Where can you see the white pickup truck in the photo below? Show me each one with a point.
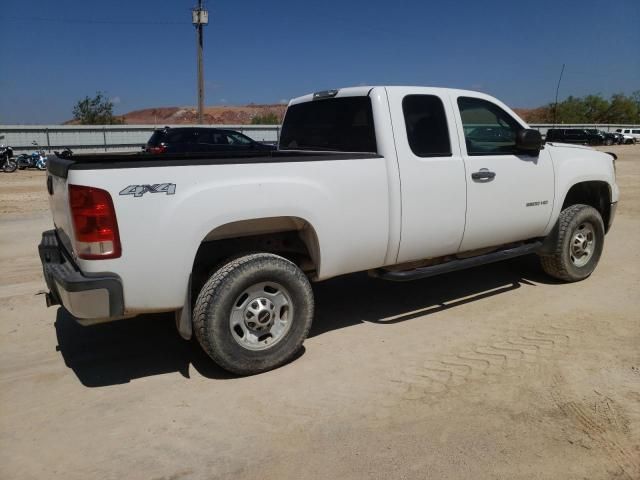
(403, 182)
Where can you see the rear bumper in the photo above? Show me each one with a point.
(89, 297)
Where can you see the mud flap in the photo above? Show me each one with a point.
(184, 323)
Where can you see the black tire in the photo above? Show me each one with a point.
(213, 308)
(9, 166)
(562, 264)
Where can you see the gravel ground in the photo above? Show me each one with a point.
(495, 372)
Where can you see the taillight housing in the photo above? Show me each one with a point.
(158, 148)
(94, 223)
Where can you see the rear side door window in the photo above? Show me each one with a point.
(178, 136)
(204, 137)
(575, 135)
(238, 139)
(488, 129)
(426, 124)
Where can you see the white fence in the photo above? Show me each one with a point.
(543, 127)
(123, 138)
(107, 138)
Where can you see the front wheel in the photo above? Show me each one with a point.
(579, 242)
(9, 166)
(254, 313)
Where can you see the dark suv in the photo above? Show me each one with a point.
(201, 139)
(575, 135)
(608, 137)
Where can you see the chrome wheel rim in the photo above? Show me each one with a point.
(583, 244)
(261, 316)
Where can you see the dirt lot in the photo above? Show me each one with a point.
(496, 372)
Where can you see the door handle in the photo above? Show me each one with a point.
(483, 174)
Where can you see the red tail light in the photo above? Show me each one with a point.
(94, 223)
(158, 149)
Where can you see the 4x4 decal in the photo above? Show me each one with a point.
(139, 190)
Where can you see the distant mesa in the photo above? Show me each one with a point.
(219, 115)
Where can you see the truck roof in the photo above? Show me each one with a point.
(364, 90)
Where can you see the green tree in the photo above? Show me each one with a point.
(595, 109)
(269, 118)
(95, 111)
(591, 109)
(622, 109)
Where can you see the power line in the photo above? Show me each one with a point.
(88, 21)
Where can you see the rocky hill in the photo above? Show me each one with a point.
(225, 115)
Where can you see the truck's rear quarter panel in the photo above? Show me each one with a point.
(345, 202)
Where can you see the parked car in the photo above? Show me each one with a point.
(580, 136)
(201, 139)
(608, 137)
(631, 135)
(618, 138)
(389, 180)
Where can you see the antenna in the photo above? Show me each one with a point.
(555, 105)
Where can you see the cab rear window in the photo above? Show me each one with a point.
(336, 124)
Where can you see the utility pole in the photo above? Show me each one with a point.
(200, 18)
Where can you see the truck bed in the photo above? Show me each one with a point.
(60, 166)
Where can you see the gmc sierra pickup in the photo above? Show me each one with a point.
(403, 182)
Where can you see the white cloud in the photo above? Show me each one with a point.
(283, 101)
(116, 100)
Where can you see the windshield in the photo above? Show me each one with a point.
(335, 124)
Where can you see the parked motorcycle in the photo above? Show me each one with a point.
(66, 153)
(36, 159)
(6, 159)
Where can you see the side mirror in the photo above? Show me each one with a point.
(529, 140)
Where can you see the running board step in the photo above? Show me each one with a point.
(459, 264)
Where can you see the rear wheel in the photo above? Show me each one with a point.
(579, 242)
(254, 313)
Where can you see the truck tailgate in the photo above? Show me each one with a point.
(60, 211)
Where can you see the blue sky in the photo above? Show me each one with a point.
(266, 52)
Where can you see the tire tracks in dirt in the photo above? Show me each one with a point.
(432, 378)
(603, 422)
